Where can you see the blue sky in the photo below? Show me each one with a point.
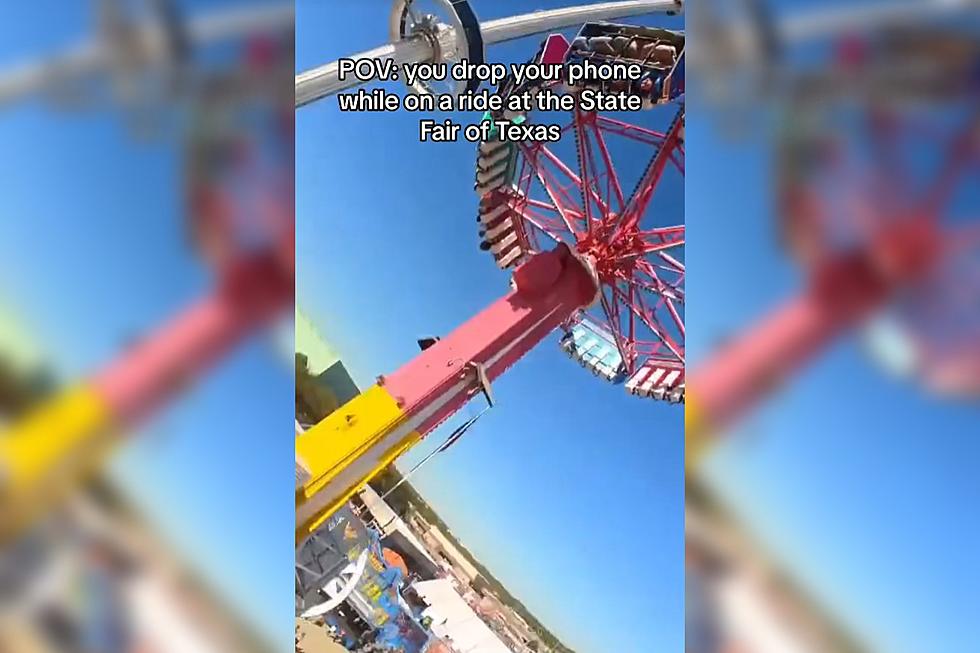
(92, 253)
(571, 491)
(862, 484)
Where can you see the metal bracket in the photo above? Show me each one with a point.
(461, 18)
(480, 372)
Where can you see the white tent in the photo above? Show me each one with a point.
(455, 621)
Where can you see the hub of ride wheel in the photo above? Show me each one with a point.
(611, 255)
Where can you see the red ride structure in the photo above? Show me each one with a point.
(532, 195)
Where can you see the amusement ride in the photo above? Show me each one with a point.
(593, 249)
(551, 219)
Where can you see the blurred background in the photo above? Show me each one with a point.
(832, 209)
(834, 286)
(145, 325)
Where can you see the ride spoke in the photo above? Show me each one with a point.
(553, 191)
(612, 179)
(677, 265)
(635, 132)
(660, 286)
(545, 206)
(568, 172)
(632, 317)
(550, 228)
(676, 160)
(611, 311)
(604, 200)
(636, 205)
(649, 318)
(585, 179)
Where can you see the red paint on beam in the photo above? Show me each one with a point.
(550, 287)
(251, 294)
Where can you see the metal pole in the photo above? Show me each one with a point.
(466, 425)
(317, 83)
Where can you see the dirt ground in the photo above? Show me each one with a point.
(311, 638)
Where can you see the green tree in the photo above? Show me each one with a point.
(20, 391)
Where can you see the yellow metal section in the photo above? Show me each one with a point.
(696, 433)
(332, 446)
(389, 457)
(329, 447)
(48, 450)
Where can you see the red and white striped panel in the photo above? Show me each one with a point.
(657, 379)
